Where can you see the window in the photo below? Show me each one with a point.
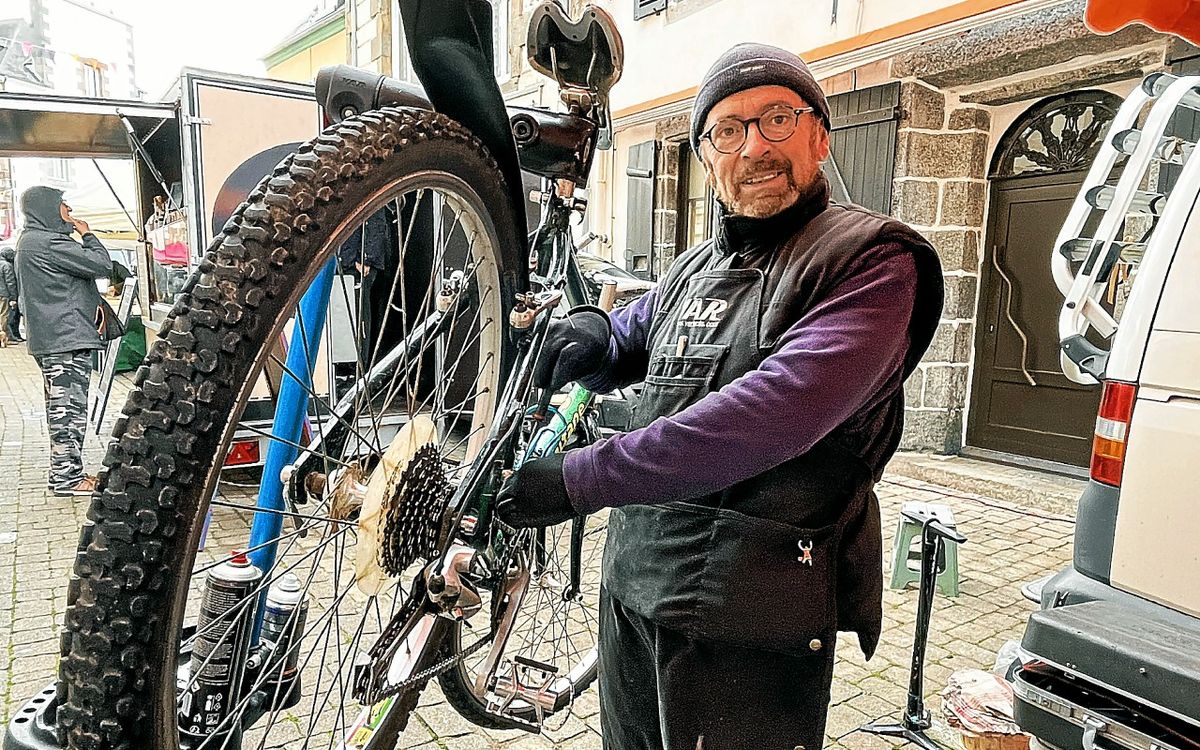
(696, 202)
(401, 63)
(500, 11)
(91, 80)
(643, 8)
(1057, 135)
(58, 170)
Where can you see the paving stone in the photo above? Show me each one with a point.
(468, 742)
(445, 722)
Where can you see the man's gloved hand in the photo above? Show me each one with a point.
(575, 347)
(536, 495)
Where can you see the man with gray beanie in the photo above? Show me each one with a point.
(745, 533)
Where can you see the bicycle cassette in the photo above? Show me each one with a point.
(385, 497)
(413, 513)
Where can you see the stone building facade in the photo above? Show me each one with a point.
(946, 137)
(958, 96)
(930, 98)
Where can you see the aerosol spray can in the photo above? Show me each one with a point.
(219, 655)
(282, 630)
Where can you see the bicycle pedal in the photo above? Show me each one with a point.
(525, 661)
(521, 683)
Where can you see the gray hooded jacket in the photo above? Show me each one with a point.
(57, 277)
(8, 273)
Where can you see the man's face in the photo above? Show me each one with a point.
(763, 177)
(64, 211)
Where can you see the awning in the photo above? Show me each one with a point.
(61, 126)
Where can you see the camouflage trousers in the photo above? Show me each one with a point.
(4, 308)
(65, 381)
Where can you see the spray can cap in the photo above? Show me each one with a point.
(239, 558)
(288, 582)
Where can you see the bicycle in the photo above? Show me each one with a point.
(169, 641)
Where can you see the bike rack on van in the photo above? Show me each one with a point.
(1147, 149)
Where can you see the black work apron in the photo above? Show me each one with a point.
(740, 566)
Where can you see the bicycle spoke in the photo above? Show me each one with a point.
(284, 513)
(251, 596)
(363, 333)
(221, 561)
(242, 704)
(405, 237)
(395, 390)
(292, 443)
(282, 660)
(316, 398)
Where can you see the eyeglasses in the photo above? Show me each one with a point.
(728, 134)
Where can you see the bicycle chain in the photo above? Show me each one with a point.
(391, 632)
(410, 517)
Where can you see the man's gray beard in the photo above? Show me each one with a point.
(768, 205)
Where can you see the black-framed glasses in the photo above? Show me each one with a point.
(728, 134)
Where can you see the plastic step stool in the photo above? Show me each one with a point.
(906, 550)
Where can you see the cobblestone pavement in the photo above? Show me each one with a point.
(1008, 546)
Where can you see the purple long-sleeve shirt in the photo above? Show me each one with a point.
(835, 361)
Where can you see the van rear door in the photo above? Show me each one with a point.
(1155, 550)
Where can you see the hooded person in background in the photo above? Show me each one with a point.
(57, 284)
(8, 296)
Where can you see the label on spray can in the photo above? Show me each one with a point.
(220, 649)
(283, 627)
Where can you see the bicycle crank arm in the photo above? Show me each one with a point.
(514, 595)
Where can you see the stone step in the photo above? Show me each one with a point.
(1021, 486)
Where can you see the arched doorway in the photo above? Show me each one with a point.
(1020, 401)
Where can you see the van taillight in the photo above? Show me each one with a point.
(1112, 432)
(243, 452)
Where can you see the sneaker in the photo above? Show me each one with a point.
(84, 488)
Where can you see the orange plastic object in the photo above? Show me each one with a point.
(1179, 17)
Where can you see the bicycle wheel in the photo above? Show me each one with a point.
(157, 530)
(549, 655)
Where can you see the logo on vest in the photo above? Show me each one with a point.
(702, 312)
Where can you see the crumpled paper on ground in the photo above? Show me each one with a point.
(979, 702)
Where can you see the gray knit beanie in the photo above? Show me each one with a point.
(748, 65)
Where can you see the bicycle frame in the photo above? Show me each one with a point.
(554, 249)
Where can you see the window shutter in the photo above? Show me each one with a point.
(639, 233)
(643, 8)
(862, 143)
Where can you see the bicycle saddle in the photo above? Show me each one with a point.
(586, 54)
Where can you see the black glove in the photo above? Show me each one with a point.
(575, 347)
(536, 495)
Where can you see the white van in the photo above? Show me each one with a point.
(1115, 649)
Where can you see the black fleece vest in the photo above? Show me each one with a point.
(787, 558)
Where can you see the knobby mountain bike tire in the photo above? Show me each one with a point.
(134, 585)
